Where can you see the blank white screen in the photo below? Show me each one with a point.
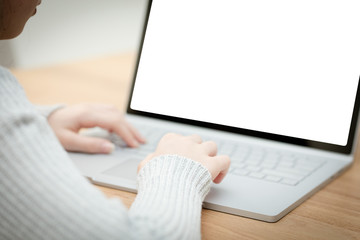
(281, 66)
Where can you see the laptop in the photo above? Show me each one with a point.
(274, 83)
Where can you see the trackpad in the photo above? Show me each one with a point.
(127, 169)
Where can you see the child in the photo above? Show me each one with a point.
(43, 196)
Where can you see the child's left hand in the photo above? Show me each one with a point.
(68, 121)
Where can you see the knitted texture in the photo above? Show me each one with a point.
(46, 111)
(43, 195)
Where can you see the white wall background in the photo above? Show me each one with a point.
(69, 30)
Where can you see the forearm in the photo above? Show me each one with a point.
(45, 197)
(42, 194)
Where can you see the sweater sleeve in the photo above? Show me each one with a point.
(43, 196)
(47, 110)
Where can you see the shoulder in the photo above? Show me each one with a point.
(4, 72)
(12, 95)
(7, 79)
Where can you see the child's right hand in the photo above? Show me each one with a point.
(194, 148)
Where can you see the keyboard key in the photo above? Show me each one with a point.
(288, 158)
(268, 165)
(238, 165)
(282, 174)
(238, 158)
(272, 156)
(289, 181)
(253, 168)
(307, 169)
(255, 157)
(272, 178)
(240, 172)
(314, 162)
(240, 151)
(308, 166)
(226, 149)
(286, 164)
(292, 170)
(257, 175)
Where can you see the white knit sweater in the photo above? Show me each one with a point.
(43, 196)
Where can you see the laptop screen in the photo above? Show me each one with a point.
(281, 69)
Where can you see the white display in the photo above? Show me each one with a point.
(281, 66)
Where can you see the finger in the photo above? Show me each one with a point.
(111, 120)
(210, 148)
(135, 133)
(223, 164)
(196, 138)
(220, 177)
(77, 143)
(124, 132)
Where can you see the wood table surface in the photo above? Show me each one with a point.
(332, 213)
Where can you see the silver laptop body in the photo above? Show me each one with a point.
(275, 166)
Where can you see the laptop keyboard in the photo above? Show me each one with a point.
(248, 161)
(271, 165)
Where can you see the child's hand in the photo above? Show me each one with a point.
(194, 148)
(67, 122)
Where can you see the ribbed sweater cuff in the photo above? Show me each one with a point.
(171, 189)
(175, 172)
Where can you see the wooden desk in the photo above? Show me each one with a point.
(332, 213)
